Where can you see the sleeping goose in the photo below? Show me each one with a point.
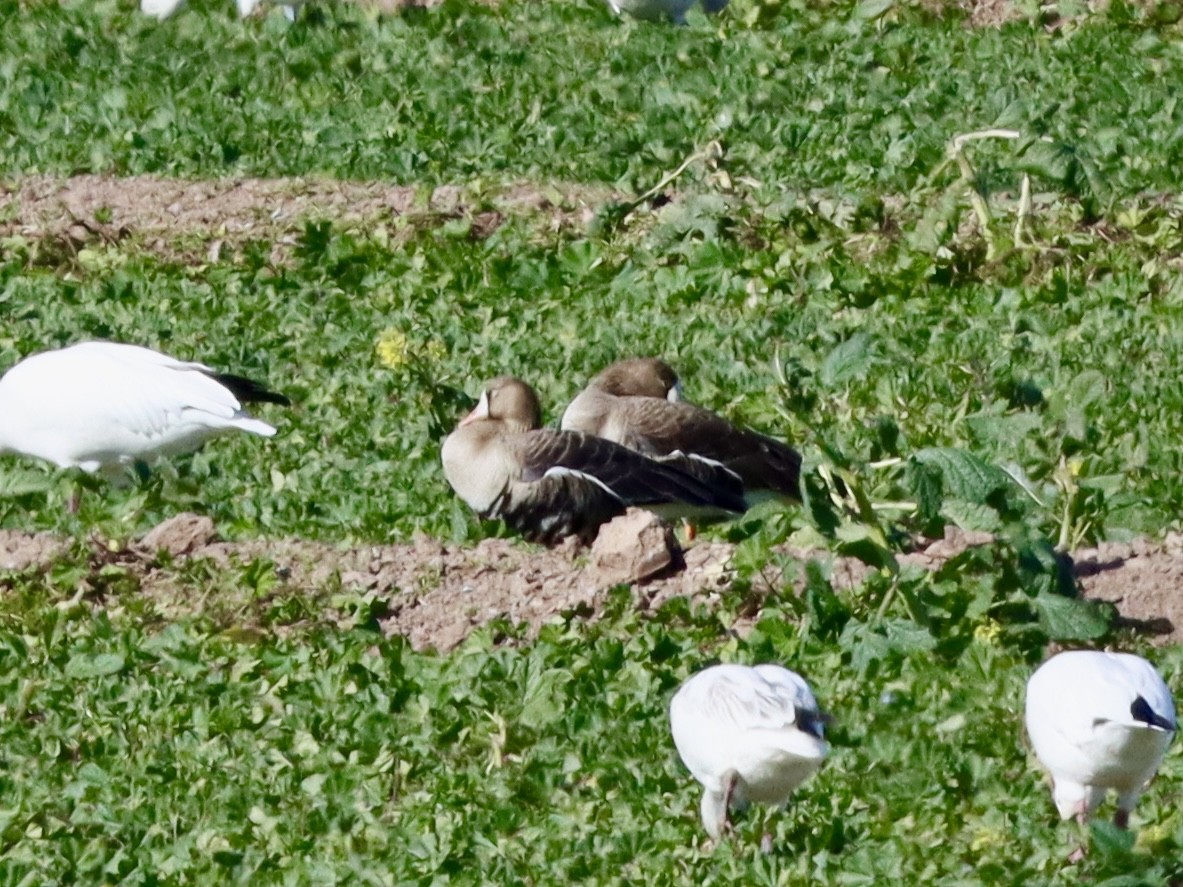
(548, 484)
(1099, 721)
(103, 405)
(638, 403)
(746, 734)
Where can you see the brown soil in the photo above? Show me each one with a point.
(436, 594)
(170, 216)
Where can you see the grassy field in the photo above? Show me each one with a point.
(813, 267)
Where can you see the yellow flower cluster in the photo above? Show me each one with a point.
(394, 349)
(988, 631)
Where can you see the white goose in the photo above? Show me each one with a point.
(1099, 721)
(746, 734)
(103, 405)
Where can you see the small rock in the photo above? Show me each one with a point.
(21, 551)
(426, 546)
(180, 535)
(1143, 547)
(956, 541)
(358, 579)
(1107, 552)
(632, 548)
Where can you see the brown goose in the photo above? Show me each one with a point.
(637, 403)
(548, 484)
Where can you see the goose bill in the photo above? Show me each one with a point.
(480, 411)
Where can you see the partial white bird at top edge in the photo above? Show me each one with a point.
(663, 10)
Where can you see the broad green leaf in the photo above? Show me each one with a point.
(963, 475)
(94, 665)
(1070, 619)
(872, 9)
(849, 360)
(971, 515)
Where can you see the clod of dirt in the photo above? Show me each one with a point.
(1142, 579)
(632, 548)
(180, 535)
(25, 551)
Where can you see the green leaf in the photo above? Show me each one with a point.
(23, 481)
(971, 515)
(1086, 388)
(963, 475)
(1070, 619)
(849, 360)
(312, 785)
(94, 665)
(868, 10)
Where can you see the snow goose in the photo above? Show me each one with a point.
(104, 405)
(1099, 721)
(638, 403)
(746, 734)
(548, 484)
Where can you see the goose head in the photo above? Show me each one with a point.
(640, 377)
(508, 401)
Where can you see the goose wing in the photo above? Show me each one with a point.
(654, 426)
(629, 476)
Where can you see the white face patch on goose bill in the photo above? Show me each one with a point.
(674, 394)
(480, 411)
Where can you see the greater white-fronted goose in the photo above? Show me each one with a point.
(548, 484)
(638, 403)
(1099, 721)
(103, 405)
(747, 735)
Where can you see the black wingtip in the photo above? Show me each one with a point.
(1141, 711)
(250, 391)
(812, 722)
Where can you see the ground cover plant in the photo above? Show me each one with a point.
(768, 201)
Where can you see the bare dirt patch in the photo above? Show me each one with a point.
(170, 216)
(436, 594)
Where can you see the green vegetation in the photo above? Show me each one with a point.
(818, 274)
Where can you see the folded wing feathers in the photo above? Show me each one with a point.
(632, 478)
(760, 704)
(561, 503)
(248, 390)
(658, 427)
